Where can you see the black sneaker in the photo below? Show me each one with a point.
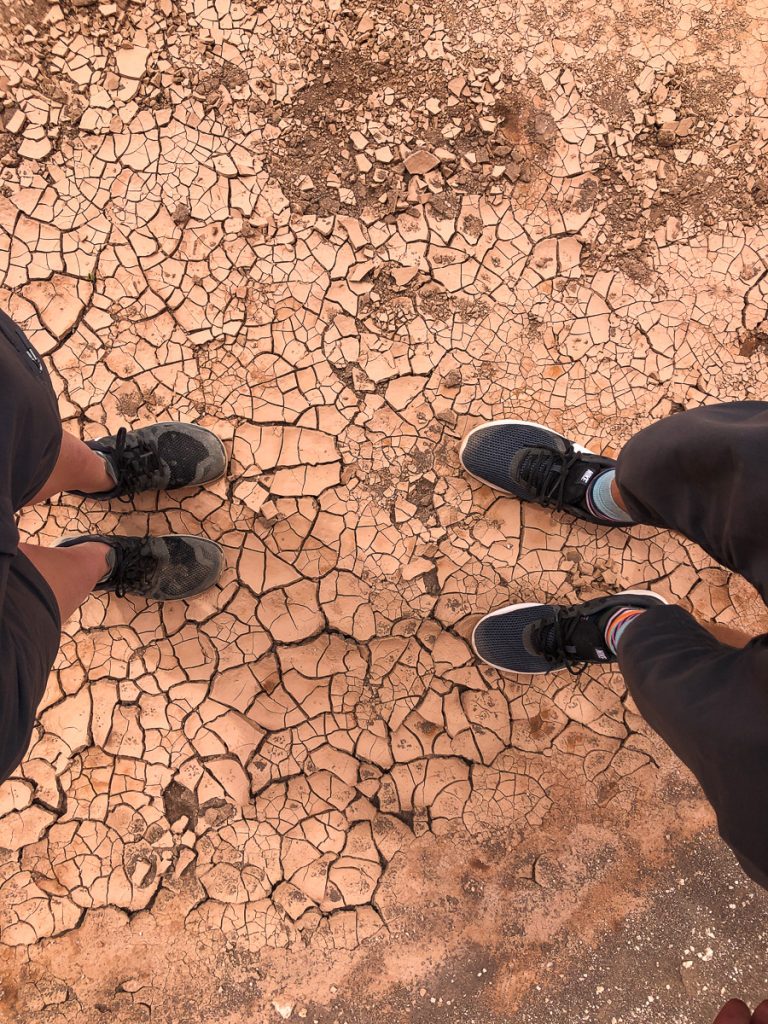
(168, 568)
(160, 457)
(534, 463)
(536, 638)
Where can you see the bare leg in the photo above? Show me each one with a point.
(78, 469)
(71, 573)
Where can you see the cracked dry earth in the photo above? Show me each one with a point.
(341, 235)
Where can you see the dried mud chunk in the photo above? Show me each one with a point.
(291, 613)
(270, 745)
(344, 600)
(504, 796)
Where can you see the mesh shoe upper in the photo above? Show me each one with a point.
(489, 452)
(160, 457)
(184, 567)
(501, 639)
(535, 464)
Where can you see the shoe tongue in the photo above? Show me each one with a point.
(584, 638)
(580, 476)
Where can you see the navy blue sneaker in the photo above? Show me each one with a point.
(537, 638)
(534, 463)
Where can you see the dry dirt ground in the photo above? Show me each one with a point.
(341, 235)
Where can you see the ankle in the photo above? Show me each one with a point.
(601, 499)
(95, 560)
(95, 477)
(99, 476)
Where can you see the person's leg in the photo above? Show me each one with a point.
(709, 702)
(71, 573)
(78, 468)
(169, 568)
(707, 699)
(704, 474)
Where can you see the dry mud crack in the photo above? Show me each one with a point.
(341, 235)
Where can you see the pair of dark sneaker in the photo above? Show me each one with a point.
(161, 457)
(535, 463)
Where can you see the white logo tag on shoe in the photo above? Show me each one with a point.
(587, 476)
(601, 654)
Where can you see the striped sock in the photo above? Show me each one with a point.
(618, 622)
(600, 500)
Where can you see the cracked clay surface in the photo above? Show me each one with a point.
(340, 236)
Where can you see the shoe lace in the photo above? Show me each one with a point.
(134, 464)
(134, 565)
(551, 639)
(545, 472)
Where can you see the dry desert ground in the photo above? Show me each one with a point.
(341, 234)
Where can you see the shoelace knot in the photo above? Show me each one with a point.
(545, 472)
(551, 639)
(134, 465)
(133, 566)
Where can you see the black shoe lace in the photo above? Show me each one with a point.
(545, 473)
(134, 566)
(135, 466)
(551, 639)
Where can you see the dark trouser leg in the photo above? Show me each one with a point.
(29, 638)
(709, 702)
(705, 475)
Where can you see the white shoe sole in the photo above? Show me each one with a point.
(514, 423)
(538, 604)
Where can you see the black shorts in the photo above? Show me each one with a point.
(704, 474)
(30, 625)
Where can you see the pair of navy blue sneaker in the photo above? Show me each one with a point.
(534, 463)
